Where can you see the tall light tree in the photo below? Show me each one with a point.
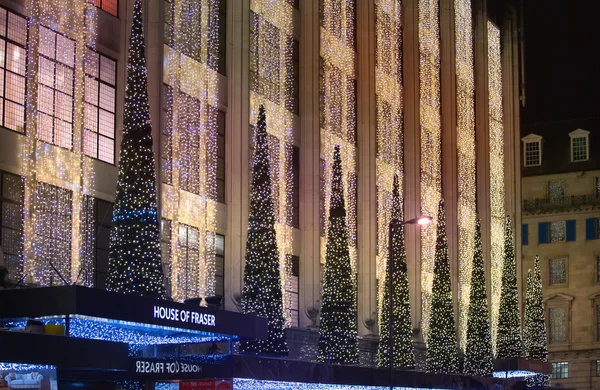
(442, 349)
(478, 354)
(401, 332)
(508, 339)
(134, 261)
(338, 330)
(261, 294)
(534, 333)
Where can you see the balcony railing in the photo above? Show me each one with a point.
(568, 203)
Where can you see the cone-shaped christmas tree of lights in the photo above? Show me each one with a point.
(534, 334)
(135, 266)
(262, 293)
(403, 353)
(338, 330)
(508, 340)
(478, 354)
(442, 351)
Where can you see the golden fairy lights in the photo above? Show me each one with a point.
(465, 133)
(271, 85)
(496, 140)
(58, 177)
(388, 87)
(189, 199)
(431, 176)
(338, 107)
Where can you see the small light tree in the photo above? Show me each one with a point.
(442, 349)
(534, 334)
(478, 354)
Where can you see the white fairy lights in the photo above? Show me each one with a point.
(189, 200)
(465, 133)
(58, 179)
(271, 85)
(388, 87)
(496, 144)
(338, 108)
(431, 175)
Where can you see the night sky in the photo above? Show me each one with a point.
(562, 69)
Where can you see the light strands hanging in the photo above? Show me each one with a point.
(431, 175)
(465, 133)
(272, 86)
(389, 90)
(189, 200)
(496, 144)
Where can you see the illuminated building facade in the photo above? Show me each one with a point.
(425, 90)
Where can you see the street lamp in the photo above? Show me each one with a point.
(421, 221)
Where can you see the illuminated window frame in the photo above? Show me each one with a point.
(13, 33)
(560, 370)
(553, 282)
(166, 232)
(293, 291)
(189, 255)
(580, 145)
(220, 267)
(11, 206)
(109, 6)
(532, 150)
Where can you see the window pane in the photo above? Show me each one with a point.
(579, 145)
(106, 150)
(532, 153)
(557, 231)
(558, 325)
(108, 70)
(92, 62)
(14, 116)
(65, 50)
(47, 42)
(15, 59)
(558, 271)
(556, 189)
(17, 28)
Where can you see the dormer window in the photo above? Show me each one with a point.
(532, 150)
(580, 145)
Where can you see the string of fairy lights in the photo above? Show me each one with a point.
(272, 26)
(58, 178)
(338, 109)
(496, 150)
(430, 119)
(389, 91)
(189, 200)
(465, 134)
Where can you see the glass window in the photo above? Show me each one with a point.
(110, 6)
(579, 149)
(560, 370)
(597, 269)
(265, 65)
(11, 217)
(557, 231)
(295, 187)
(597, 367)
(102, 225)
(220, 176)
(556, 189)
(189, 256)
(100, 104)
(54, 212)
(55, 88)
(532, 153)
(165, 251)
(598, 187)
(292, 290)
(558, 325)
(220, 266)
(558, 271)
(13, 59)
(166, 136)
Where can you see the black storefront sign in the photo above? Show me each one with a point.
(179, 369)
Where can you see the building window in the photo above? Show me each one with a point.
(189, 143)
(560, 370)
(597, 367)
(13, 59)
(532, 150)
(293, 289)
(102, 225)
(100, 105)
(597, 322)
(579, 145)
(556, 190)
(557, 319)
(264, 72)
(557, 231)
(56, 76)
(220, 266)
(597, 268)
(296, 187)
(294, 100)
(558, 271)
(54, 213)
(220, 176)
(110, 6)
(598, 187)
(166, 138)
(11, 220)
(169, 17)
(218, 60)
(165, 251)
(189, 255)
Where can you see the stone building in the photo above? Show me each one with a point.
(561, 210)
(427, 89)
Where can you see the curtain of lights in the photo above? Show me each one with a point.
(465, 133)
(431, 152)
(189, 200)
(496, 133)
(388, 87)
(271, 85)
(58, 179)
(338, 108)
